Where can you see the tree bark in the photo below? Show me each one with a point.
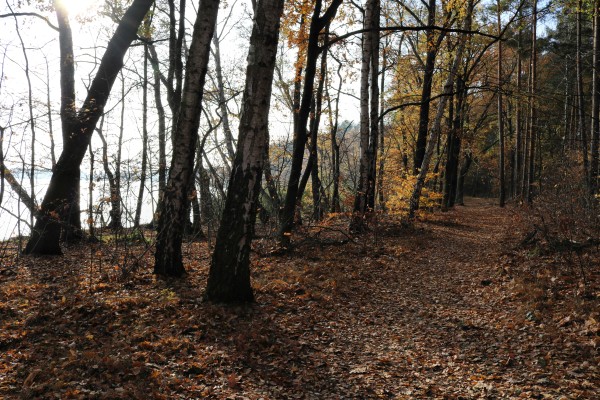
(229, 275)
(162, 127)
(595, 103)
(69, 120)
(63, 190)
(369, 113)
(581, 126)
(432, 50)
(140, 199)
(173, 217)
(519, 117)
(453, 147)
(435, 131)
(501, 162)
(318, 23)
(532, 105)
(115, 191)
(460, 185)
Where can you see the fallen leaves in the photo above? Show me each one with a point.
(436, 311)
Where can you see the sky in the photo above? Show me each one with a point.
(90, 34)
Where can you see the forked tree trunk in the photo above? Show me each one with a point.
(63, 190)
(229, 275)
(318, 23)
(168, 260)
(435, 131)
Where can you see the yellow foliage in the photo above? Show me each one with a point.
(399, 186)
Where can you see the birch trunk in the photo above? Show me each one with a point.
(171, 222)
(363, 191)
(229, 275)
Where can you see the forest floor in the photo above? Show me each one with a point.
(456, 307)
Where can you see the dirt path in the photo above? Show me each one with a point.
(435, 313)
(438, 311)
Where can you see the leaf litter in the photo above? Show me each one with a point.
(452, 308)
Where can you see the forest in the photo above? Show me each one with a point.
(301, 199)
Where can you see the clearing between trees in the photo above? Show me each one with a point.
(458, 306)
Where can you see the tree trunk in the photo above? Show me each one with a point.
(318, 23)
(460, 185)
(335, 147)
(519, 117)
(63, 190)
(14, 184)
(426, 90)
(115, 191)
(229, 275)
(379, 188)
(501, 162)
(453, 147)
(162, 129)
(533, 106)
(68, 114)
(140, 199)
(318, 209)
(369, 112)
(581, 128)
(435, 131)
(595, 103)
(222, 100)
(90, 220)
(173, 217)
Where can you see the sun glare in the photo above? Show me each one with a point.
(80, 8)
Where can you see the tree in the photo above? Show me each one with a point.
(501, 182)
(229, 275)
(369, 116)
(63, 190)
(433, 45)
(593, 180)
(173, 216)
(581, 126)
(318, 23)
(532, 106)
(435, 131)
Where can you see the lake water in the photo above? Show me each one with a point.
(11, 206)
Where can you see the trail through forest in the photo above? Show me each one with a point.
(455, 307)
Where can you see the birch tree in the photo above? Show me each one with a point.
(229, 275)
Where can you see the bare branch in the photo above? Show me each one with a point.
(30, 14)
